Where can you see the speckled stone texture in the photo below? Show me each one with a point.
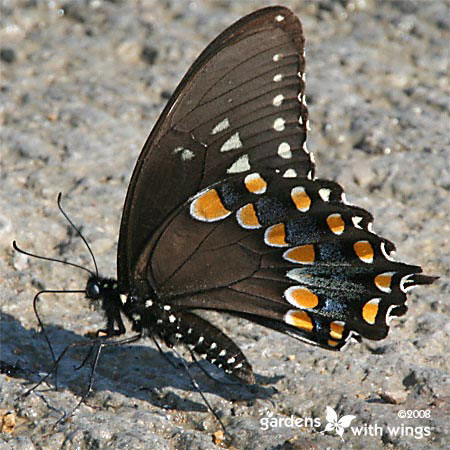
(81, 85)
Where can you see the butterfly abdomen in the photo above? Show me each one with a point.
(152, 317)
(185, 328)
(213, 345)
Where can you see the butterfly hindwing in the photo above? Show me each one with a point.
(297, 259)
(240, 105)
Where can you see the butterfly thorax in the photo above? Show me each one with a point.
(104, 294)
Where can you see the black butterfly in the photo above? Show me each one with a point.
(223, 212)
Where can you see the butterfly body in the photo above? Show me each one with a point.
(224, 213)
(151, 318)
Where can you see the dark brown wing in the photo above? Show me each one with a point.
(240, 106)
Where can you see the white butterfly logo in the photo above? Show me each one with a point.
(336, 424)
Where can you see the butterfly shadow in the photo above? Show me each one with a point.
(137, 371)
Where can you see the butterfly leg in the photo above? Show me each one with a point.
(55, 365)
(197, 388)
(111, 306)
(163, 354)
(101, 344)
(41, 325)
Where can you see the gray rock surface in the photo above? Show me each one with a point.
(82, 83)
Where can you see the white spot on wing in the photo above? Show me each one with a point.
(278, 77)
(278, 100)
(325, 194)
(279, 18)
(344, 199)
(234, 142)
(290, 173)
(277, 57)
(240, 165)
(186, 154)
(385, 254)
(305, 148)
(388, 314)
(221, 126)
(356, 221)
(352, 337)
(279, 124)
(284, 150)
(405, 280)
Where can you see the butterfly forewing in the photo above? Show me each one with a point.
(240, 106)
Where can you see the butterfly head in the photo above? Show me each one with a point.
(93, 288)
(101, 288)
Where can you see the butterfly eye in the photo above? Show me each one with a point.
(93, 289)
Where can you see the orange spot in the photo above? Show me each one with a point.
(299, 319)
(370, 310)
(332, 343)
(208, 207)
(301, 199)
(364, 251)
(275, 235)
(255, 183)
(336, 330)
(304, 254)
(302, 297)
(336, 223)
(383, 281)
(247, 218)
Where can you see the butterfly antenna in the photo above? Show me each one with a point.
(45, 258)
(78, 232)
